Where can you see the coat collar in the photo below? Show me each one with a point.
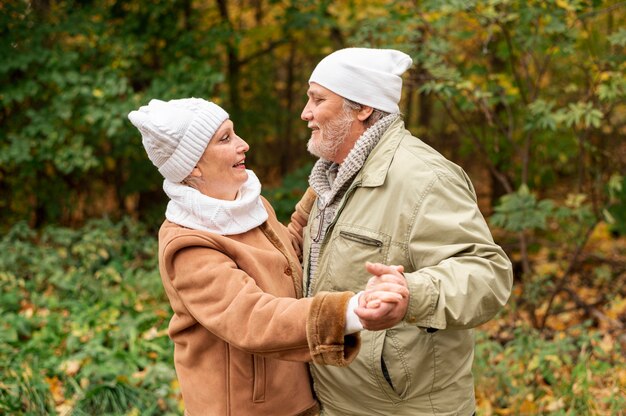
(376, 166)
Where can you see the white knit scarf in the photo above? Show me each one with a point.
(192, 209)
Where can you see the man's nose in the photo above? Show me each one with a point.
(307, 114)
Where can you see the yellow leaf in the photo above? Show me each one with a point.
(555, 359)
(84, 383)
(140, 374)
(483, 404)
(616, 308)
(601, 232)
(528, 406)
(548, 268)
(555, 405)
(134, 412)
(26, 308)
(97, 92)
(563, 4)
(150, 334)
(109, 162)
(70, 367)
(65, 408)
(56, 388)
(175, 385)
(605, 75)
(607, 343)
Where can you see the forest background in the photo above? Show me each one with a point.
(527, 96)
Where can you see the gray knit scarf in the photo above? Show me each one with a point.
(330, 182)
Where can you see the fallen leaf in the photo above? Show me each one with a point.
(56, 389)
(70, 367)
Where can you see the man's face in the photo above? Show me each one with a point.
(330, 124)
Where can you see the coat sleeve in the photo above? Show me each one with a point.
(227, 302)
(461, 278)
(299, 219)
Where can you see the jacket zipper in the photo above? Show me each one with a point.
(321, 225)
(360, 239)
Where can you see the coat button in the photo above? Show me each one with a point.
(288, 271)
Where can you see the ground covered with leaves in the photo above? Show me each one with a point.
(85, 318)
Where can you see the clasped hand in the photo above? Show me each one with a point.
(386, 297)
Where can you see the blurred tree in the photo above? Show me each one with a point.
(533, 91)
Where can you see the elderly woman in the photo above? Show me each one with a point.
(241, 329)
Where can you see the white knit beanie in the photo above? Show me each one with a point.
(370, 77)
(176, 133)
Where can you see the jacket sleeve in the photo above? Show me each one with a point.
(461, 278)
(299, 219)
(228, 303)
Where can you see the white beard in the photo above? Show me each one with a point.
(331, 136)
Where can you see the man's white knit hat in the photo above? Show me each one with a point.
(175, 133)
(370, 77)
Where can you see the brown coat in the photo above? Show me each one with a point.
(241, 338)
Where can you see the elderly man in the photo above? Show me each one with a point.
(385, 196)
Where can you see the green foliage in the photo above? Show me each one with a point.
(521, 211)
(616, 211)
(534, 87)
(76, 71)
(618, 38)
(84, 333)
(536, 374)
(285, 197)
(85, 322)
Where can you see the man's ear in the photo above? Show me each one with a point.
(364, 112)
(196, 172)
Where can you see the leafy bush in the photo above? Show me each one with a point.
(576, 371)
(85, 320)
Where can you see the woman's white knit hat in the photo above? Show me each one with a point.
(175, 133)
(370, 77)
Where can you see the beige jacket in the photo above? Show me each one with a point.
(241, 337)
(410, 206)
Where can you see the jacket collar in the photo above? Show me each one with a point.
(376, 166)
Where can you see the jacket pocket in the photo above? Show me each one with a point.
(394, 366)
(258, 390)
(346, 254)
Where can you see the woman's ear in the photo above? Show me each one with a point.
(364, 112)
(196, 172)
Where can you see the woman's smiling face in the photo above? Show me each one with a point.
(222, 168)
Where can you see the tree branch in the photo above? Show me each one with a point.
(570, 269)
(272, 45)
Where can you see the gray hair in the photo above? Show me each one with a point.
(349, 105)
(193, 182)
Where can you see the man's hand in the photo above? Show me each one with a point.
(386, 298)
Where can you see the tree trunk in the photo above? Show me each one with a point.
(234, 65)
(288, 150)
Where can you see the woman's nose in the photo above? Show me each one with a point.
(243, 146)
